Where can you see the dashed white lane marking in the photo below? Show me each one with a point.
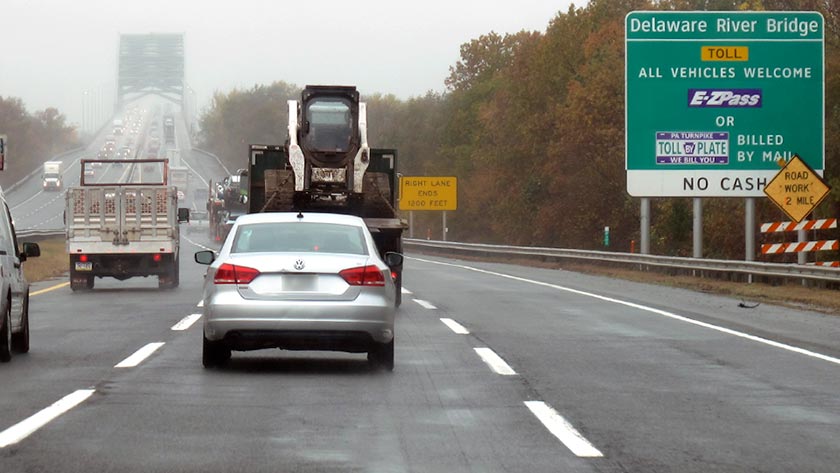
(455, 326)
(425, 304)
(139, 355)
(405, 291)
(494, 361)
(27, 427)
(186, 322)
(663, 313)
(200, 304)
(563, 430)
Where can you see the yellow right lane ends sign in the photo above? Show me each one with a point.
(428, 193)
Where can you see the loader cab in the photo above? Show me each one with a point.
(328, 119)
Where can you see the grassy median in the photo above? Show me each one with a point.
(52, 263)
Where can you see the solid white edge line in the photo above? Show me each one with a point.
(28, 426)
(494, 361)
(197, 244)
(139, 355)
(455, 326)
(663, 313)
(563, 430)
(425, 304)
(405, 291)
(186, 322)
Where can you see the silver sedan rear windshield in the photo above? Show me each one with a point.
(299, 236)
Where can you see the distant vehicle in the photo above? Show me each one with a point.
(154, 144)
(118, 130)
(299, 281)
(14, 305)
(228, 219)
(169, 128)
(179, 176)
(198, 221)
(124, 153)
(200, 195)
(51, 176)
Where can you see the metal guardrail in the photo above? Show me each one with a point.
(634, 260)
(207, 153)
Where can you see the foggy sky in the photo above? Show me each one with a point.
(55, 50)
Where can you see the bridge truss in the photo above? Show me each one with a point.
(151, 64)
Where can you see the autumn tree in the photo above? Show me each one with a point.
(243, 117)
(32, 138)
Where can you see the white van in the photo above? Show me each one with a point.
(14, 289)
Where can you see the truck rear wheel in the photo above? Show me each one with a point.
(80, 282)
(171, 279)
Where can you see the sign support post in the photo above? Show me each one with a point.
(697, 237)
(411, 224)
(444, 225)
(644, 245)
(749, 230)
(801, 257)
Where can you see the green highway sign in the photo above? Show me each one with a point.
(714, 100)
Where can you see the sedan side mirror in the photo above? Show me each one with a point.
(393, 259)
(183, 214)
(205, 257)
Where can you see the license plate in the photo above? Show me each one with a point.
(87, 266)
(299, 283)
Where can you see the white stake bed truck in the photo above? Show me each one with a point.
(123, 230)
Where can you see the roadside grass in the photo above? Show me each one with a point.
(788, 295)
(53, 261)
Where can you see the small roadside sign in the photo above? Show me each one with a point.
(3, 142)
(428, 193)
(797, 189)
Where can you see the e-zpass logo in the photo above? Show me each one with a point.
(724, 98)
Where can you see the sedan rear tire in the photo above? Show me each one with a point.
(214, 354)
(381, 355)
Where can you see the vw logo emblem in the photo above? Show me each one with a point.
(299, 264)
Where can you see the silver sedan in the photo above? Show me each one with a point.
(299, 281)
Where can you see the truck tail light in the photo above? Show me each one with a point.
(232, 274)
(156, 257)
(83, 258)
(363, 276)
